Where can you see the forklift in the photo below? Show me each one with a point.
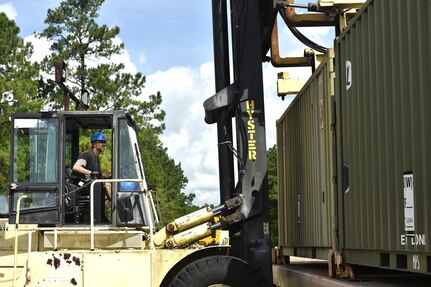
(58, 232)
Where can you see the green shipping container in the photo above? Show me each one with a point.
(305, 165)
(383, 99)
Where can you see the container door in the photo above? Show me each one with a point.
(34, 168)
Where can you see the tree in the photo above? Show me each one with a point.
(18, 87)
(87, 47)
(165, 178)
(273, 194)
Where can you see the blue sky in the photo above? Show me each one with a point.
(166, 33)
(171, 43)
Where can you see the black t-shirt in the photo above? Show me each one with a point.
(89, 161)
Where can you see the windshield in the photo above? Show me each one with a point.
(132, 205)
(128, 162)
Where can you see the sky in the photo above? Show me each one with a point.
(171, 43)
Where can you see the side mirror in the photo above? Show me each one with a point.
(4, 206)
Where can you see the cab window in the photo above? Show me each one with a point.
(35, 150)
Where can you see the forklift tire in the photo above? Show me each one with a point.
(218, 270)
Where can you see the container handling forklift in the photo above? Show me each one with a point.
(46, 238)
(53, 227)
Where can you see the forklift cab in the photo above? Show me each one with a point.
(44, 147)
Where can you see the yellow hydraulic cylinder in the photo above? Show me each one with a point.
(190, 220)
(189, 236)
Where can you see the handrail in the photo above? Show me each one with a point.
(147, 209)
(29, 245)
(15, 255)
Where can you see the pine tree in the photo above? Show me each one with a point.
(87, 47)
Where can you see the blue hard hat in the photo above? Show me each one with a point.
(98, 136)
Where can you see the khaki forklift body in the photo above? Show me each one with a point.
(120, 259)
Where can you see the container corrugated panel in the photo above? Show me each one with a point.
(383, 96)
(305, 164)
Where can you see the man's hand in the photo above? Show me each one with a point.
(94, 174)
(105, 175)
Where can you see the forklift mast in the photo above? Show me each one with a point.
(243, 100)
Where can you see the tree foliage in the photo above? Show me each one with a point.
(18, 87)
(273, 194)
(87, 47)
(166, 178)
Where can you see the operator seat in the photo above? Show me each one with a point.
(77, 198)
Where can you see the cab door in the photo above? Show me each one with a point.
(34, 169)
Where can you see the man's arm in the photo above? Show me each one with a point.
(83, 167)
(77, 167)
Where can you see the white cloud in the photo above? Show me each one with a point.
(41, 47)
(188, 138)
(9, 10)
(142, 58)
(124, 58)
(180, 138)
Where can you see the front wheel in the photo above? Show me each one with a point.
(218, 270)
